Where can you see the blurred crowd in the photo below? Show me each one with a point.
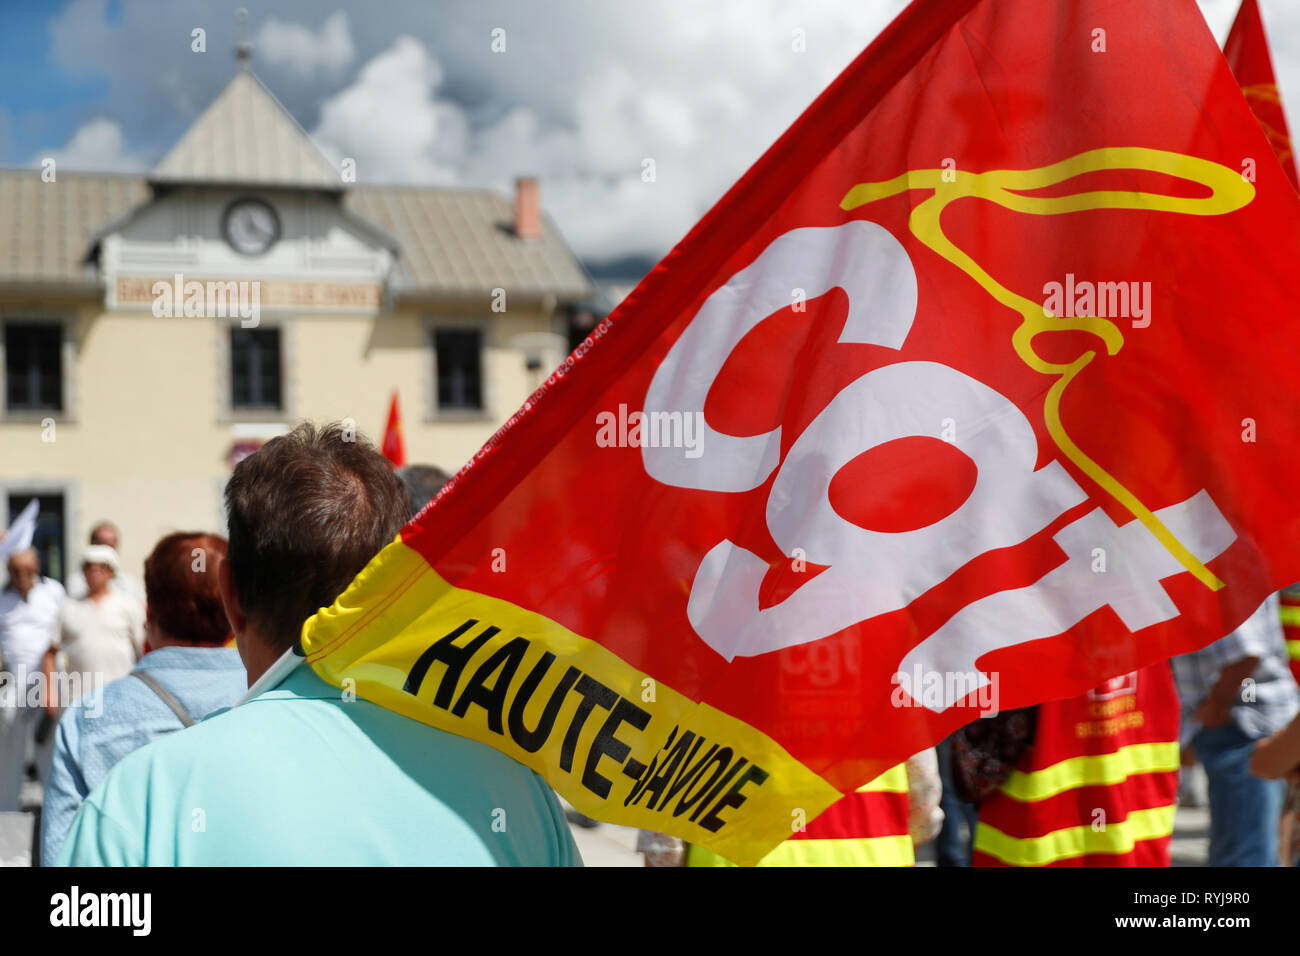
(95, 672)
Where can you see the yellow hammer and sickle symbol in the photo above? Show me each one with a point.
(1266, 94)
(1229, 192)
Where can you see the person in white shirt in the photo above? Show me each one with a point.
(101, 636)
(105, 532)
(29, 611)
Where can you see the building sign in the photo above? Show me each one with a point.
(271, 293)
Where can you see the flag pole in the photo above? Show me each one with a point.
(284, 665)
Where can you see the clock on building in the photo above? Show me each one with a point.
(251, 226)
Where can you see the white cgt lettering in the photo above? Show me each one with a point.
(874, 572)
(1070, 592)
(870, 572)
(861, 258)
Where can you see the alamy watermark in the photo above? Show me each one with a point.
(626, 429)
(214, 299)
(939, 690)
(74, 908)
(1104, 300)
(35, 689)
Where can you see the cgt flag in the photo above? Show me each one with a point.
(1247, 52)
(969, 395)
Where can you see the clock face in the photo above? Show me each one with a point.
(251, 226)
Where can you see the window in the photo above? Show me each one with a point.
(460, 369)
(255, 381)
(48, 539)
(33, 367)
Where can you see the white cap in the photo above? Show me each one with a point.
(100, 554)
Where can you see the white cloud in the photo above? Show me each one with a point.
(1219, 15)
(297, 49)
(586, 116)
(391, 123)
(97, 145)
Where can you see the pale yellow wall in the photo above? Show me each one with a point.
(138, 445)
(146, 441)
(347, 367)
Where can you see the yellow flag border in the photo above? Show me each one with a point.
(403, 637)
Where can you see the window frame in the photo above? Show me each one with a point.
(229, 412)
(435, 324)
(66, 327)
(70, 492)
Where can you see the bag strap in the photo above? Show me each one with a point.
(166, 696)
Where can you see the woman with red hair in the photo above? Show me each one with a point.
(186, 674)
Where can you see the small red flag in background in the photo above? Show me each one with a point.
(394, 447)
(974, 392)
(1247, 53)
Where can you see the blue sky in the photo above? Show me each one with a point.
(40, 100)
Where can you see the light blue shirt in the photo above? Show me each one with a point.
(303, 774)
(1260, 708)
(108, 723)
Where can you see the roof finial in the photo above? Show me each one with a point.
(243, 49)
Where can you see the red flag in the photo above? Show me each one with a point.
(973, 393)
(1247, 53)
(394, 447)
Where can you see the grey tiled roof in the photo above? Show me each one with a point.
(453, 242)
(460, 242)
(44, 227)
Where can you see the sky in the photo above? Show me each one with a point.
(582, 94)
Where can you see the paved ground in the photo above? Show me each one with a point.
(609, 845)
(1191, 845)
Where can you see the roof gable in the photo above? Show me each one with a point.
(246, 137)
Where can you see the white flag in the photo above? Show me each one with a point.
(19, 535)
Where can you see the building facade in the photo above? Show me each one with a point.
(159, 327)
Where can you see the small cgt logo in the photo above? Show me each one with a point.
(102, 909)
